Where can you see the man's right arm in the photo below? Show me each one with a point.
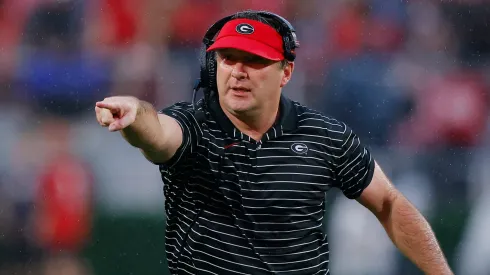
(158, 136)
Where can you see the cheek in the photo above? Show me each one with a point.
(260, 79)
(222, 74)
(269, 80)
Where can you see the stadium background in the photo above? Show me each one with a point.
(411, 77)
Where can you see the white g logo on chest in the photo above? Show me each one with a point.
(299, 148)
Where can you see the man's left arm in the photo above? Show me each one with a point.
(404, 224)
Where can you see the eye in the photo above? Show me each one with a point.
(227, 58)
(254, 60)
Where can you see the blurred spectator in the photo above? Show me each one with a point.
(64, 197)
(310, 23)
(356, 88)
(472, 253)
(189, 23)
(132, 35)
(471, 22)
(13, 16)
(55, 24)
(53, 74)
(18, 189)
(452, 111)
(348, 27)
(46, 200)
(62, 219)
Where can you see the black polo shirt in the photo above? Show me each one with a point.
(239, 206)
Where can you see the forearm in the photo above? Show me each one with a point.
(413, 236)
(146, 131)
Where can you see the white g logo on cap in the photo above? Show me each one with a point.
(244, 28)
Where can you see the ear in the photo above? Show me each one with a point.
(287, 73)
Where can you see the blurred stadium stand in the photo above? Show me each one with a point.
(410, 77)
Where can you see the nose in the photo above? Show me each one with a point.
(238, 71)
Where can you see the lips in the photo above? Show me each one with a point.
(240, 89)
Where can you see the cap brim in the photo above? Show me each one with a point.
(247, 45)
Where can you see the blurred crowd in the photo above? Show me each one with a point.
(410, 77)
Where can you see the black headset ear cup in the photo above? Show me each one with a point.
(203, 62)
(208, 66)
(211, 70)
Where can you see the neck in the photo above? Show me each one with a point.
(255, 123)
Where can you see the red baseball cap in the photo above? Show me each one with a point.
(250, 36)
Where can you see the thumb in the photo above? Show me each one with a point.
(115, 126)
(123, 122)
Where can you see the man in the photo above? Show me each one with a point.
(246, 173)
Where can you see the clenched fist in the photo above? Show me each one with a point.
(117, 112)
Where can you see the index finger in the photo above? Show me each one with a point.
(107, 105)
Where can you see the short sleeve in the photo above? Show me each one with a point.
(354, 164)
(184, 114)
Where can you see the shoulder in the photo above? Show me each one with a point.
(184, 110)
(183, 106)
(320, 122)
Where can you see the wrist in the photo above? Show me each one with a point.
(143, 107)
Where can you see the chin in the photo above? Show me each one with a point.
(240, 109)
(239, 105)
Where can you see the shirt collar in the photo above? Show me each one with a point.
(287, 116)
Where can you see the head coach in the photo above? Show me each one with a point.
(246, 170)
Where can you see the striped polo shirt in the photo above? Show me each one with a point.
(235, 205)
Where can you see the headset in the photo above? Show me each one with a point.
(207, 79)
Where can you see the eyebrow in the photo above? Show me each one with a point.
(241, 55)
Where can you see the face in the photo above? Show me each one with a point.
(248, 83)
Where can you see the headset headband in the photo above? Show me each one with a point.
(286, 30)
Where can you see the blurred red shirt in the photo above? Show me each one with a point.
(64, 204)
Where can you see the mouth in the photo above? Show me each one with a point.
(240, 89)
